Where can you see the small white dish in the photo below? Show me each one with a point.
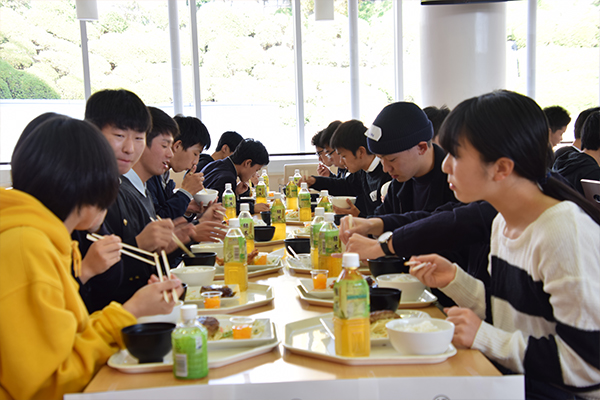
(307, 284)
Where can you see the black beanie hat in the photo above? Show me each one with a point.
(398, 127)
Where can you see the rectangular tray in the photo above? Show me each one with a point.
(308, 337)
(266, 269)
(256, 295)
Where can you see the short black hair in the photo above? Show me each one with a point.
(327, 133)
(66, 163)
(316, 139)
(191, 132)
(436, 116)
(231, 139)
(590, 134)
(162, 124)
(581, 120)
(350, 135)
(557, 117)
(121, 108)
(34, 123)
(250, 149)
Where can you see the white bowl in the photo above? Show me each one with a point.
(173, 317)
(206, 196)
(205, 247)
(420, 343)
(340, 201)
(195, 276)
(411, 287)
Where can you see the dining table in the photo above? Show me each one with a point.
(281, 365)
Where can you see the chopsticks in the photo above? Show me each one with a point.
(168, 268)
(177, 241)
(350, 221)
(418, 264)
(95, 237)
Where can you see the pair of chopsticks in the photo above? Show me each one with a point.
(418, 264)
(176, 240)
(93, 237)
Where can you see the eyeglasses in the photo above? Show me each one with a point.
(329, 153)
(319, 153)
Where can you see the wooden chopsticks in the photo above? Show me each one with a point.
(93, 237)
(177, 241)
(418, 264)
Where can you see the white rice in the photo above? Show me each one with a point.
(424, 326)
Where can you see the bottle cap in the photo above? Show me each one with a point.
(277, 196)
(245, 207)
(319, 211)
(234, 223)
(291, 178)
(329, 217)
(297, 171)
(264, 171)
(303, 185)
(324, 193)
(189, 311)
(350, 260)
(228, 186)
(261, 179)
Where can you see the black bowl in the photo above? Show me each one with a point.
(263, 233)
(384, 299)
(387, 265)
(208, 258)
(299, 245)
(148, 342)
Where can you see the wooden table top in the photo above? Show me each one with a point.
(280, 365)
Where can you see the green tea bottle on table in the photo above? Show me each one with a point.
(278, 217)
(265, 178)
(324, 201)
(315, 227)
(247, 226)
(228, 199)
(190, 351)
(304, 212)
(291, 195)
(329, 243)
(261, 191)
(297, 177)
(351, 309)
(235, 256)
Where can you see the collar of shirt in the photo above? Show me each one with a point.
(136, 181)
(373, 165)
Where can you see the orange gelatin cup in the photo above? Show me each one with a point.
(212, 299)
(320, 281)
(242, 332)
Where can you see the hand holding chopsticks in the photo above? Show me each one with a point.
(177, 241)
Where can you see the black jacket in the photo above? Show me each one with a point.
(575, 166)
(167, 203)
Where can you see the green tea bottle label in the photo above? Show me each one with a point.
(261, 190)
(351, 299)
(229, 200)
(304, 200)
(329, 242)
(234, 249)
(247, 227)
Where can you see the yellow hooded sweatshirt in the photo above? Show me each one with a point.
(49, 344)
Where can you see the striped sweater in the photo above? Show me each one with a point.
(545, 300)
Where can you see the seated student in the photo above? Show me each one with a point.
(330, 154)
(189, 139)
(64, 176)
(317, 140)
(576, 132)
(437, 117)
(401, 137)
(132, 216)
(366, 173)
(248, 158)
(228, 142)
(558, 119)
(544, 251)
(575, 166)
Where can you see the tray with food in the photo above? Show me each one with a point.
(217, 356)
(298, 268)
(232, 299)
(221, 334)
(327, 293)
(310, 337)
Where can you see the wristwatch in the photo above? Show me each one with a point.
(383, 242)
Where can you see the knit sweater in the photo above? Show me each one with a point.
(545, 300)
(49, 344)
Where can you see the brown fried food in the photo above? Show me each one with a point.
(252, 255)
(220, 261)
(225, 290)
(211, 324)
(383, 314)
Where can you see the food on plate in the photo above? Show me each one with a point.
(425, 326)
(291, 215)
(260, 259)
(378, 320)
(225, 290)
(220, 261)
(251, 256)
(211, 324)
(216, 331)
(189, 270)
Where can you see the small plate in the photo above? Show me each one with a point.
(297, 269)
(307, 284)
(193, 294)
(315, 301)
(225, 323)
(426, 299)
(256, 296)
(327, 319)
(308, 337)
(125, 362)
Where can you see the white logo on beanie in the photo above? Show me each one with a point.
(374, 132)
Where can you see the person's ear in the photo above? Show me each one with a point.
(503, 167)
(225, 149)
(247, 163)
(177, 146)
(422, 148)
(360, 152)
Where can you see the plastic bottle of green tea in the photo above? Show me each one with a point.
(229, 202)
(329, 243)
(297, 177)
(235, 257)
(261, 191)
(304, 203)
(278, 217)
(291, 195)
(324, 201)
(315, 227)
(247, 226)
(265, 178)
(190, 351)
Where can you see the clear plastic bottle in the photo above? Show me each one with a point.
(278, 217)
(351, 310)
(265, 178)
(247, 226)
(304, 212)
(329, 243)
(261, 191)
(235, 256)
(291, 195)
(297, 177)
(228, 199)
(190, 351)
(324, 201)
(315, 227)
